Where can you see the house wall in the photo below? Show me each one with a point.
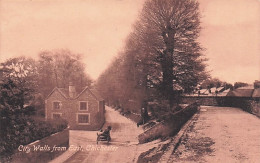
(56, 96)
(96, 113)
(102, 111)
(70, 110)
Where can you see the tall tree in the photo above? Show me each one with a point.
(167, 33)
(162, 53)
(58, 68)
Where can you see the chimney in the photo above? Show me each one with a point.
(72, 90)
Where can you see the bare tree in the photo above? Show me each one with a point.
(58, 68)
(167, 32)
(160, 53)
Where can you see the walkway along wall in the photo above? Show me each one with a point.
(249, 104)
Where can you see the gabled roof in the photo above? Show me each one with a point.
(220, 89)
(204, 91)
(241, 93)
(65, 93)
(93, 92)
(59, 90)
(256, 92)
(96, 94)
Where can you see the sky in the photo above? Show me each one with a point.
(97, 29)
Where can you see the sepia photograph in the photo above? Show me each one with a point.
(129, 81)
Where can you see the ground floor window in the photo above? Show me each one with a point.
(56, 115)
(83, 118)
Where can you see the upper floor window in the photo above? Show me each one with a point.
(56, 105)
(83, 105)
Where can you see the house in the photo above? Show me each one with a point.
(83, 111)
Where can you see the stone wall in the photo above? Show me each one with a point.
(42, 151)
(204, 100)
(249, 104)
(170, 126)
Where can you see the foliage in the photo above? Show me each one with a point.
(169, 31)
(36, 79)
(214, 82)
(24, 84)
(16, 125)
(58, 68)
(21, 73)
(240, 84)
(161, 57)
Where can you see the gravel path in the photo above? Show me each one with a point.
(122, 148)
(221, 134)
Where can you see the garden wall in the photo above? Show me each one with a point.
(33, 152)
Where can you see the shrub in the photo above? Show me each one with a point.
(22, 130)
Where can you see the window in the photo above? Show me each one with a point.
(56, 105)
(83, 105)
(56, 115)
(83, 118)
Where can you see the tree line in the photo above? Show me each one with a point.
(161, 58)
(35, 79)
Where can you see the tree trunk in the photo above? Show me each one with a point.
(167, 65)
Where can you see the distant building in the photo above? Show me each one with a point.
(256, 93)
(241, 93)
(246, 91)
(257, 84)
(83, 111)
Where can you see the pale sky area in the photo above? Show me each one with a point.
(98, 28)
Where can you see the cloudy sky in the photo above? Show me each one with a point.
(98, 28)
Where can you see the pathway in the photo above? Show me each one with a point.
(221, 134)
(122, 148)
